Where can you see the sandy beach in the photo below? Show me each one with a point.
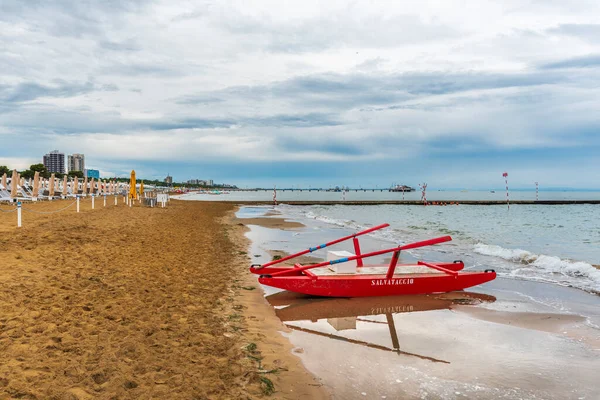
(137, 303)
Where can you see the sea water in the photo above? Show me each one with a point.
(558, 244)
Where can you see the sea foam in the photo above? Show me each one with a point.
(544, 263)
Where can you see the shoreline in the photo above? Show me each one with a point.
(293, 381)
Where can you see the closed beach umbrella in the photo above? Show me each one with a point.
(13, 184)
(132, 185)
(76, 186)
(142, 189)
(36, 184)
(85, 184)
(4, 180)
(92, 189)
(64, 192)
(51, 187)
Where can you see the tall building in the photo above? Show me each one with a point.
(55, 162)
(169, 179)
(76, 162)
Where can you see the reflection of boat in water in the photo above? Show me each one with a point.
(343, 313)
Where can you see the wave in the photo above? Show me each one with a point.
(544, 263)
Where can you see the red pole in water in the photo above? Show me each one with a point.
(322, 246)
(505, 175)
(372, 254)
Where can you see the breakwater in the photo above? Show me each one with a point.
(412, 202)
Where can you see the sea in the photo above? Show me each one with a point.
(558, 244)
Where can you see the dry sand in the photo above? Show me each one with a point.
(137, 303)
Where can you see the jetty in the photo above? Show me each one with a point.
(409, 202)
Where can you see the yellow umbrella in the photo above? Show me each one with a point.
(4, 181)
(132, 185)
(142, 189)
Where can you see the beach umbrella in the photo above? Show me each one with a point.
(36, 184)
(92, 188)
(64, 192)
(132, 193)
(85, 184)
(142, 189)
(13, 184)
(76, 186)
(21, 181)
(51, 187)
(4, 180)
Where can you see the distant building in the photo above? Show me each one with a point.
(55, 162)
(76, 162)
(92, 173)
(201, 182)
(169, 180)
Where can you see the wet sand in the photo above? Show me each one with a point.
(271, 222)
(137, 303)
(494, 341)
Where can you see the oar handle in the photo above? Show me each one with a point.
(322, 246)
(424, 243)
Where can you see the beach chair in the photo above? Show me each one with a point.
(4, 194)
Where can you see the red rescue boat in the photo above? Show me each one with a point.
(361, 280)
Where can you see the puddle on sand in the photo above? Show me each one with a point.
(427, 347)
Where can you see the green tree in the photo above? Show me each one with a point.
(4, 170)
(27, 174)
(78, 174)
(41, 169)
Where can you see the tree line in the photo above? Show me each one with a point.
(44, 173)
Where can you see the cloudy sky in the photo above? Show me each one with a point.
(307, 92)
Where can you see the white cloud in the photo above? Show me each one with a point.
(305, 81)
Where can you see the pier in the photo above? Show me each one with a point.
(411, 202)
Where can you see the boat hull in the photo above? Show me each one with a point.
(377, 285)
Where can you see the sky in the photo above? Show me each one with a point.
(307, 93)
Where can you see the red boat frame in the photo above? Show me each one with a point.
(298, 278)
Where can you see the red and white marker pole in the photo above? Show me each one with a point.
(536, 191)
(505, 175)
(423, 193)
